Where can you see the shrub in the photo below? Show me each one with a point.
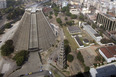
(66, 18)
(70, 57)
(70, 23)
(50, 17)
(98, 58)
(8, 25)
(95, 64)
(86, 69)
(59, 20)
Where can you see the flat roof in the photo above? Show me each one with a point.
(106, 71)
(109, 51)
(78, 40)
(90, 28)
(74, 29)
(111, 17)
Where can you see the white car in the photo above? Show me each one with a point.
(40, 70)
(50, 72)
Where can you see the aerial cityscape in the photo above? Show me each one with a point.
(57, 38)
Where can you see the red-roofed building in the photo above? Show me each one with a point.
(109, 53)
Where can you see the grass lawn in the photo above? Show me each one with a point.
(71, 40)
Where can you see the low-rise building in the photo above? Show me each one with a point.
(109, 53)
(74, 11)
(104, 71)
(85, 10)
(74, 29)
(91, 32)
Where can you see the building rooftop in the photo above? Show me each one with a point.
(109, 51)
(79, 41)
(104, 71)
(111, 17)
(74, 29)
(90, 28)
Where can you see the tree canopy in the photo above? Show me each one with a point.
(80, 57)
(73, 16)
(70, 23)
(7, 48)
(59, 20)
(20, 57)
(15, 13)
(70, 57)
(8, 25)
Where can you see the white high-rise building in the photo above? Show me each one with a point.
(2, 4)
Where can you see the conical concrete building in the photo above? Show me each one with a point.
(34, 32)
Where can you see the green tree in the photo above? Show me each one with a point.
(70, 23)
(20, 61)
(67, 47)
(68, 13)
(20, 57)
(98, 58)
(80, 57)
(54, 5)
(70, 57)
(66, 18)
(64, 9)
(7, 48)
(73, 16)
(50, 17)
(81, 17)
(86, 69)
(15, 13)
(59, 20)
(56, 14)
(51, 13)
(8, 25)
(9, 9)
